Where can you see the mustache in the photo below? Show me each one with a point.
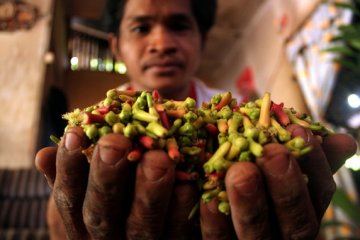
(155, 62)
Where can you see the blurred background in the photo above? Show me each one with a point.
(54, 57)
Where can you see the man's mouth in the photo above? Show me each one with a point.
(164, 66)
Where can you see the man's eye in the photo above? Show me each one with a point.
(141, 29)
(178, 27)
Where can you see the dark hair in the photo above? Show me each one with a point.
(204, 12)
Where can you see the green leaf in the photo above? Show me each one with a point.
(344, 5)
(337, 38)
(348, 6)
(346, 63)
(349, 32)
(355, 43)
(341, 50)
(342, 200)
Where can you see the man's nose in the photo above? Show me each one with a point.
(162, 41)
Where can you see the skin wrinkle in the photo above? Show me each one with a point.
(305, 227)
(308, 231)
(70, 208)
(97, 225)
(63, 200)
(256, 219)
(139, 231)
(289, 200)
(68, 167)
(100, 222)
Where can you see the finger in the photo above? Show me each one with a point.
(215, 225)
(154, 181)
(338, 148)
(104, 205)
(184, 198)
(316, 167)
(248, 201)
(70, 183)
(289, 193)
(54, 221)
(45, 162)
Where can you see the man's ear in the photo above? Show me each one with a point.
(113, 44)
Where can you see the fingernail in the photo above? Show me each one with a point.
(277, 165)
(110, 155)
(152, 172)
(248, 185)
(306, 135)
(72, 141)
(212, 206)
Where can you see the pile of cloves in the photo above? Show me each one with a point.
(204, 141)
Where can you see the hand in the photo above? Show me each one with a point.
(253, 216)
(271, 200)
(113, 198)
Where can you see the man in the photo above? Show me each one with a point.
(161, 42)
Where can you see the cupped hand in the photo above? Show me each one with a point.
(115, 199)
(112, 198)
(272, 198)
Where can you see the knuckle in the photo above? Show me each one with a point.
(65, 201)
(253, 217)
(146, 223)
(308, 231)
(106, 191)
(101, 211)
(137, 229)
(96, 225)
(289, 201)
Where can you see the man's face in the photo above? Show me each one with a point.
(160, 43)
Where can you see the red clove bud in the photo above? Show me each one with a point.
(89, 118)
(281, 116)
